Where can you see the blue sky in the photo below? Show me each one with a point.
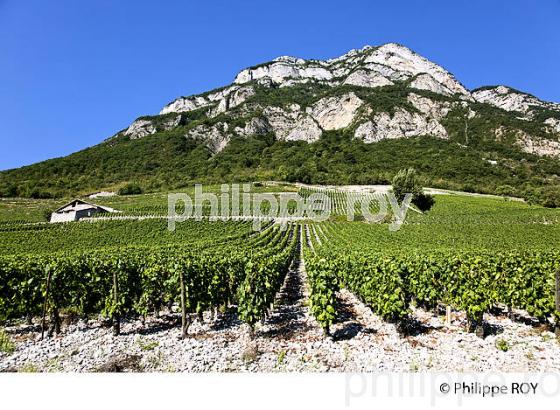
(74, 72)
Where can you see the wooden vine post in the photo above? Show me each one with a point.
(45, 303)
(184, 325)
(116, 318)
(557, 324)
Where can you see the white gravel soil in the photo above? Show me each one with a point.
(289, 341)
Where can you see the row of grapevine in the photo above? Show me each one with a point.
(322, 280)
(263, 279)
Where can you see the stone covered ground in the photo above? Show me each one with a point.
(290, 340)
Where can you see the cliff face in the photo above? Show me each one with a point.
(372, 94)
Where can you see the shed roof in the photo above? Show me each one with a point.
(81, 204)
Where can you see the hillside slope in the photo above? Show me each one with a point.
(357, 118)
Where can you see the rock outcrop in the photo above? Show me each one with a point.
(367, 78)
(401, 124)
(404, 124)
(255, 126)
(553, 125)
(139, 129)
(292, 124)
(215, 137)
(222, 100)
(408, 64)
(539, 146)
(335, 113)
(283, 68)
(429, 83)
(512, 100)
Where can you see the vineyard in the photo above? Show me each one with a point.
(390, 280)
(469, 255)
(200, 275)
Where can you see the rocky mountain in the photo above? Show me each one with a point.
(366, 96)
(340, 91)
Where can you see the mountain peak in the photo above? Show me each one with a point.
(370, 66)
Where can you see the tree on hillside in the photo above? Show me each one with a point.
(130, 189)
(406, 182)
(547, 196)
